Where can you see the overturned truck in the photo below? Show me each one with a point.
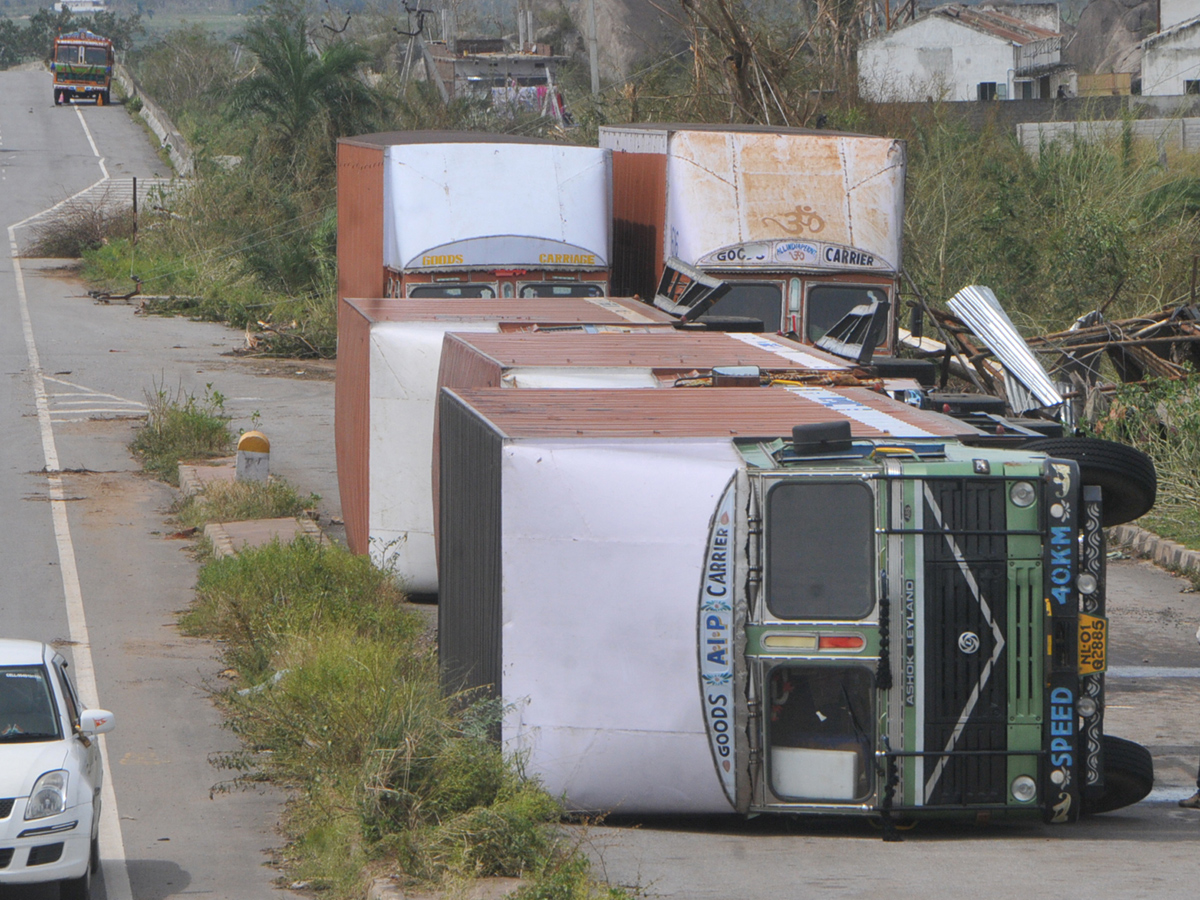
(784, 600)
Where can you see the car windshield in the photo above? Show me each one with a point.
(27, 711)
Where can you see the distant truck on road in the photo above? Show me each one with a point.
(82, 66)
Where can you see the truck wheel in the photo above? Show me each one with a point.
(1128, 776)
(1125, 474)
(58, 98)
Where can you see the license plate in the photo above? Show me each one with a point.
(1093, 644)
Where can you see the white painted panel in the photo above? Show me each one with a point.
(404, 361)
(480, 202)
(736, 188)
(603, 551)
(598, 377)
(934, 58)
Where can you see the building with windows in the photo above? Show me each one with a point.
(1171, 58)
(957, 52)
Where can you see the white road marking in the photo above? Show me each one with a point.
(91, 405)
(112, 843)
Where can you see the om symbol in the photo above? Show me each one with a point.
(797, 220)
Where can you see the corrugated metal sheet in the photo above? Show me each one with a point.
(639, 211)
(696, 412)
(469, 597)
(351, 415)
(548, 311)
(360, 221)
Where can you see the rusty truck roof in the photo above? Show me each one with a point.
(699, 412)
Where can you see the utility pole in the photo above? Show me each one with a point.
(592, 52)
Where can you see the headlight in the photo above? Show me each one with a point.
(1022, 494)
(1024, 788)
(49, 795)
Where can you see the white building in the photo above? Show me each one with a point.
(1171, 58)
(81, 7)
(956, 52)
(1175, 12)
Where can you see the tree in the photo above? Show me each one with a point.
(302, 91)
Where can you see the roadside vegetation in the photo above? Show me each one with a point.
(334, 691)
(181, 426)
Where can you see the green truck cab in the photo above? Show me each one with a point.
(923, 630)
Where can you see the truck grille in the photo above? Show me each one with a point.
(967, 588)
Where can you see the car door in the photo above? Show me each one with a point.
(85, 754)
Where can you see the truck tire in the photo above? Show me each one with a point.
(58, 98)
(1125, 474)
(1128, 776)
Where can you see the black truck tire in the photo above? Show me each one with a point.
(1125, 474)
(1128, 776)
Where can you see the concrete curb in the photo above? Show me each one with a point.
(195, 478)
(230, 537)
(1168, 554)
(495, 888)
(159, 122)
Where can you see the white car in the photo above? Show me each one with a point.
(50, 773)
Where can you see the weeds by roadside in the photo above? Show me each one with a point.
(236, 501)
(1162, 418)
(181, 426)
(79, 227)
(337, 696)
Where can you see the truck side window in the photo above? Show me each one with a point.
(752, 300)
(820, 550)
(454, 292)
(820, 732)
(829, 304)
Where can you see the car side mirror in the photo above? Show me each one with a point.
(95, 721)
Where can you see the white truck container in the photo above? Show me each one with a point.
(806, 225)
(389, 353)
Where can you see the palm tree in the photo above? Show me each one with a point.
(296, 87)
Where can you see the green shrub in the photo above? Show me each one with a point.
(235, 501)
(181, 426)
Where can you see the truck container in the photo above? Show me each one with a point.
(658, 359)
(812, 600)
(389, 351)
(81, 64)
(472, 215)
(805, 225)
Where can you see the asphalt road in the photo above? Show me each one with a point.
(94, 364)
(87, 556)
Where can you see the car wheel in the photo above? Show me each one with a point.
(1124, 474)
(77, 888)
(94, 857)
(1128, 776)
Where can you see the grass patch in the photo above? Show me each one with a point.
(1162, 418)
(337, 697)
(80, 227)
(181, 426)
(236, 501)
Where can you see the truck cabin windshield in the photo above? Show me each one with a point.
(820, 542)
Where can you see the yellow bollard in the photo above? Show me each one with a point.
(253, 457)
